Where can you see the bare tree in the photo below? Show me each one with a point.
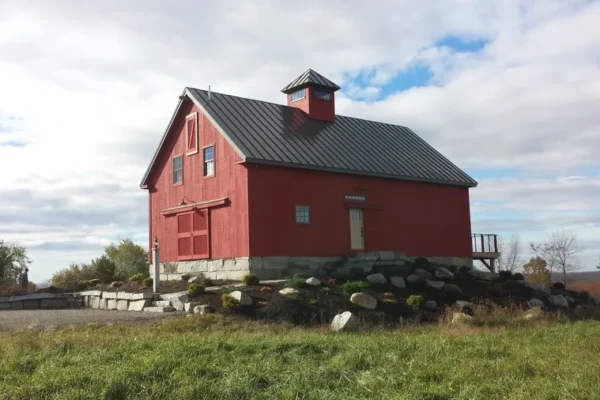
(510, 254)
(560, 252)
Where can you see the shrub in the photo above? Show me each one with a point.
(297, 281)
(313, 301)
(250, 280)
(195, 289)
(390, 301)
(185, 277)
(351, 287)
(421, 262)
(326, 290)
(504, 275)
(204, 281)
(389, 295)
(452, 268)
(558, 286)
(266, 289)
(147, 282)
(463, 269)
(229, 302)
(415, 301)
(136, 278)
(356, 274)
(517, 276)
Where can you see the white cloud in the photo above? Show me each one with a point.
(91, 86)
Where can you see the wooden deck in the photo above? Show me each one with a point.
(485, 249)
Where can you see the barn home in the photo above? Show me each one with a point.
(239, 185)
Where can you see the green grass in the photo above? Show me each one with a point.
(221, 358)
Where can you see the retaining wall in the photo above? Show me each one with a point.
(91, 299)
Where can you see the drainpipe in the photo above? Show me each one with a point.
(156, 265)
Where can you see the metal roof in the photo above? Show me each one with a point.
(269, 133)
(310, 77)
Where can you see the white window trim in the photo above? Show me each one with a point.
(205, 163)
(192, 116)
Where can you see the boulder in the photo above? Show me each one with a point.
(313, 281)
(464, 305)
(92, 282)
(242, 298)
(203, 309)
(430, 304)
(533, 313)
(452, 288)
(423, 274)
(345, 321)
(558, 300)
(377, 278)
(483, 275)
(194, 279)
(538, 286)
(412, 278)
(535, 303)
(397, 281)
(435, 284)
(570, 299)
(443, 273)
(289, 291)
(122, 305)
(116, 284)
(138, 305)
(459, 318)
(364, 300)
(189, 307)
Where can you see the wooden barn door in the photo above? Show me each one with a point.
(192, 235)
(357, 238)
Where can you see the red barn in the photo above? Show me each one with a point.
(239, 185)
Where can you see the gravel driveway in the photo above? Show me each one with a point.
(15, 319)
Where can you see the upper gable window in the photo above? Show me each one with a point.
(209, 161)
(191, 134)
(321, 95)
(177, 170)
(298, 95)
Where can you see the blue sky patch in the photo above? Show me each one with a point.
(462, 45)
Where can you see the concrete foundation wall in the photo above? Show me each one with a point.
(283, 267)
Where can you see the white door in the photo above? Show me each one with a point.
(357, 238)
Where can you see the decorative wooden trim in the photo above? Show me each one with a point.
(195, 206)
(193, 116)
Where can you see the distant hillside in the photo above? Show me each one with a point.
(580, 276)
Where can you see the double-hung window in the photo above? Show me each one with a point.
(177, 170)
(302, 214)
(209, 161)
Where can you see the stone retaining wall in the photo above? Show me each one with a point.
(91, 299)
(37, 301)
(282, 267)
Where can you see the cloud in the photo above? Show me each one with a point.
(90, 87)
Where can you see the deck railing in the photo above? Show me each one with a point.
(484, 242)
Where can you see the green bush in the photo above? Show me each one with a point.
(351, 287)
(195, 289)
(422, 262)
(518, 276)
(147, 282)
(229, 302)
(504, 275)
(558, 286)
(297, 281)
(136, 278)
(415, 301)
(250, 280)
(463, 269)
(82, 285)
(204, 281)
(185, 277)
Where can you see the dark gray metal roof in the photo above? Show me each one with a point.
(269, 133)
(310, 77)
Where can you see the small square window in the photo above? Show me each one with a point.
(302, 215)
(209, 161)
(321, 95)
(355, 197)
(177, 170)
(298, 95)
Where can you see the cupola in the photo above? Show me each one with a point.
(314, 94)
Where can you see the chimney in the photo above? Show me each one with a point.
(314, 94)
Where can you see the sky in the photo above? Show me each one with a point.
(508, 90)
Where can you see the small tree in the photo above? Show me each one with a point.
(104, 269)
(129, 258)
(510, 254)
(13, 260)
(68, 278)
(536, 271)
(561, 253)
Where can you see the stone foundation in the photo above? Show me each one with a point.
(283, 267)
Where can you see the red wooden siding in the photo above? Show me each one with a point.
(226, 233)
(315, 108)
(415, 218)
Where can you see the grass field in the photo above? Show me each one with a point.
(221, 358)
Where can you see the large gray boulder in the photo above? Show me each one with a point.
(242, 298)
(558, 300)
(377, 278)
(535, 303)
(313, 281)
(289, 291)
(452, 288)
(538, 286)
(397, 281)
(430, 304)
(203, 309)
(364, 300)
(464, 305)
(443, 273)
(345, 321)
(459, 318)
(483, 275)
(423, 273)
(436, 284)
(534, 313)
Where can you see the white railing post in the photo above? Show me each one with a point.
(156, 265)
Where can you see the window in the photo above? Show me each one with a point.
(355, 197)
(302, 215)
(209, 161)
(177, 170)
(321, 95)
(191, 134)
(298, 94)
